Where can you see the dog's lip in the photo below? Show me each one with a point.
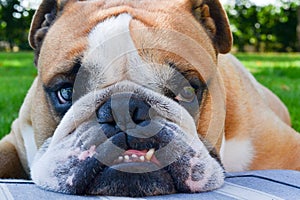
(127, 178)
(135, 167)
(138, 156)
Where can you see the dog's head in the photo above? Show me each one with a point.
(127, 96)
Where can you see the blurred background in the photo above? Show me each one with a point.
(257, 25)
(266, 39)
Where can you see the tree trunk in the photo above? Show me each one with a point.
(298, 28)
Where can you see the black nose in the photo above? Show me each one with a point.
(130, 122)
(124, 110)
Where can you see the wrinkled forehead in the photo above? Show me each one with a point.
(160, 30)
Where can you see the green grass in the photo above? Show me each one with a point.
(279, 72)
(16, 75)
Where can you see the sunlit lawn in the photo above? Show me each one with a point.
(16, 74)
(279, 72)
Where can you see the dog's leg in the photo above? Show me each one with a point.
(10, 165)
(258, 134)
(277, 146)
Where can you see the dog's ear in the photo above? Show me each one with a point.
(43, 18)
(212, 16)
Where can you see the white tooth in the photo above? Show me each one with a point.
(149, 154)
(134, 156)
(142, 158)
(126, 157)
(120, 158)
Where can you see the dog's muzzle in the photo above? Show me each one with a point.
(128, 119)
(125, 112)
(126, 140)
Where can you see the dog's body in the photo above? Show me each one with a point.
(148, 55)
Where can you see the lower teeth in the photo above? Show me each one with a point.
(133, 158)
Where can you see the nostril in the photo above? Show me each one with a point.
(140, 115)
(144, 123)
(104, 114)
(125, 113)
(140, 111)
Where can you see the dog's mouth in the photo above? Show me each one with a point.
(115, 168)
(135, 173)
(92, 154)
(133, 156)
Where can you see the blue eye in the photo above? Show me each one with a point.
(65, 95)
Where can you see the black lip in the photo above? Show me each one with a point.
(136, 167)
(113, 182)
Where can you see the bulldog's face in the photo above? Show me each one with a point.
(124, 92)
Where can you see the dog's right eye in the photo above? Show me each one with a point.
(186, 95)
(64, 95)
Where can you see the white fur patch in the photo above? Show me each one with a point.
(109, 42)
(237, 155)
(222, 149)
(29, 143)
(112, 57)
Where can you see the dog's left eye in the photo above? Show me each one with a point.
(64, 95)
(187, 94)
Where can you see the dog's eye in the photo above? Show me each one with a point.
(65, 95)
(187, 94)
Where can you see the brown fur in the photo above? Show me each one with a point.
(249, 117)
(276, 144)
(11, 166)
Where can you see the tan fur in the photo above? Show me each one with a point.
(11, 166)
(276, 105)
(252, 111)
(249, 117)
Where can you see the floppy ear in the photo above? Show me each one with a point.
(43, 18)
(212, 16)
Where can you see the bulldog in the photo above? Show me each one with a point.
(140, 98)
